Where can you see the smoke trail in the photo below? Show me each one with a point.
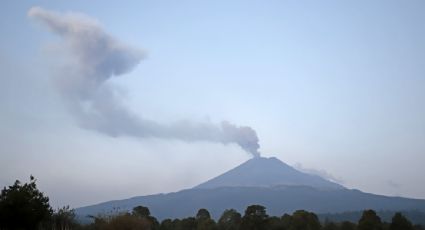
(98, 57)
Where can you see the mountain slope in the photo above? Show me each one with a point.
(264, 181)
(267, 172)
(278, 200)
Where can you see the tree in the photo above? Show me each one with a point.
(369, 221)
(275, 223)
(204, 221)
(167, 224)
(126, 222)
(141, 211)
(64, 219)
(399, 222)
(203, 214)
(347, 225)
(303, 220)
(329, 225)
(23, 206)
(418, 227)
(286, 220)
(144, 214)
(187, 224)
(230, 220)
(255, 218)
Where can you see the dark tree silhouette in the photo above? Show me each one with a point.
(399, 222)
(141, 211)
(187, 224)
(126, 222)
(255, 218)
(369, 221)
(303, 220)
(286, 220)
(346, 225)
(204, 221)
(275, 223)
(23, 206)
(328, 225)
(144, 214)
(230, 220)
(64, 219)
(167, 224)
(203, 214)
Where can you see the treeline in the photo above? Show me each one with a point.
(415, 216)
(254, 218)
(24, 207)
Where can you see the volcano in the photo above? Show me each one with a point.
(267, 172)
(265, 181)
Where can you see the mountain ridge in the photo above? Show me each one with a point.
(277, 200)
(265, 181)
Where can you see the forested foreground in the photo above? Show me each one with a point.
(24, 207)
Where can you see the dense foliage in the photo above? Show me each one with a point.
(24, 207)
(254, 218)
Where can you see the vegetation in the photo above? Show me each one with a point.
(24, 207)
(415, 216)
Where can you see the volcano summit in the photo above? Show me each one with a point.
(267, 172)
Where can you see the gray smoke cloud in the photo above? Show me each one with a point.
(98, 57)
(319, 172)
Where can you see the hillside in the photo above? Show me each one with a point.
(278, 200)
(265, 181)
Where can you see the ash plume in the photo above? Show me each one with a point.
(93, 101)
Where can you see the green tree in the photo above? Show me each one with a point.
(255, 218)
(369, 221)
(141, 211)
(203, 214)
(303, 220)
(23, 206)
(399, 222)
(230, 220)
(204, 221)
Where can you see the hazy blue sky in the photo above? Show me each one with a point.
(337, 87)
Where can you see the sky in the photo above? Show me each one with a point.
(108, 100)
